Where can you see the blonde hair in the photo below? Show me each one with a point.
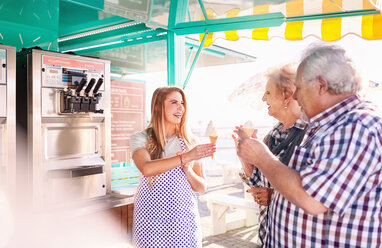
(156, 129)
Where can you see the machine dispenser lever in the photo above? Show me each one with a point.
(81, 85)
(90, 85)
(98, 85)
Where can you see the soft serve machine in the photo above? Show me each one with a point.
(66, 122)
(7, 119)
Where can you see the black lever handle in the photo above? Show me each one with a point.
(90, 85)
(98, 85)
(81, 85)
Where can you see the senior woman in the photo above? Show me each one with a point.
(281, 140)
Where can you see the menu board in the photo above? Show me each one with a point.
(127, 116)
(3, 61)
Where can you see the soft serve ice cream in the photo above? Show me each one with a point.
(211, 129)
(212, 133)
(248, 128)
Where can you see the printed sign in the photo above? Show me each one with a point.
(127, 116)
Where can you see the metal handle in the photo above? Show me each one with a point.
(81, 85)
(90, 85)
(98, 85)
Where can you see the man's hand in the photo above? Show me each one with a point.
(251, 150)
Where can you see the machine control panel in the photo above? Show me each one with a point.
(80, 83)
(60, 72)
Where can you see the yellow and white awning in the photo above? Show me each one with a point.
(366, 26)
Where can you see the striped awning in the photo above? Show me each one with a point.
(365, 26)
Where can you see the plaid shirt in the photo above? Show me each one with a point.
(340, 166)
(259, 180)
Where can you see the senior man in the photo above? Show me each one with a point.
(330, 193)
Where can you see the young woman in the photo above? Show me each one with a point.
(165, 211)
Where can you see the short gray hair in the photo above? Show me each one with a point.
(284, 77)
(332, 63)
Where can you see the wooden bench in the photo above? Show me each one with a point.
(219, 205)
(230, 173)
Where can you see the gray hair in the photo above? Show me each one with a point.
(283, 77)
(332, 63)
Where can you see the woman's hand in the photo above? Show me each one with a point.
(234, 137)
(199, 151)
(261, 195)
(247, 167)
(237, 128)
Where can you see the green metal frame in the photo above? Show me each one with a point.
(218, 51)
(209, 51)
(194, 62)
(226, 24)
(75, 18)
(85, 4)
(135, 30)
(175, 44)
(203, 9)
(189, 54)
(94, 25)
(122, 43)
(175, 59)
(178, 12)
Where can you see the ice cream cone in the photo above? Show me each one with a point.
(213, 141)
(248, 131)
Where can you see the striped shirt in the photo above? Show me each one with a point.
(340, 166)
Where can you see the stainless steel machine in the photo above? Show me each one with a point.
(64, 109)
(7, 119)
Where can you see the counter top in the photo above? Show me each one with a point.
(98, 204)
(108, 201)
